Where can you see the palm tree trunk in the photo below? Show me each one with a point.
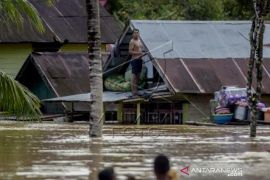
(250, 93)
(256, 57)
(95, 68)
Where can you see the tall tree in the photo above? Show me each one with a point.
(95, 68)
(256, 58)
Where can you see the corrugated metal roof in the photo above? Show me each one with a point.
(66, 20)
(66, 73)
(208, 75)
(199, 56)
(108, 96)
(198, 39)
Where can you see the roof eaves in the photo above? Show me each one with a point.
(188, 22)
(164, 77)
(23, 68)
(42, 74)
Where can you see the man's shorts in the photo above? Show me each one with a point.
(136, 66)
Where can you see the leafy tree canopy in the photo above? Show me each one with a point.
(125, 10)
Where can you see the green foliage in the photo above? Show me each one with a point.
(16, 100)
(182, 9)
(145, 9)
(202, 9)
(238, 9)
(17, 11)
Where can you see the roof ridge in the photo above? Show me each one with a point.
(193, 21)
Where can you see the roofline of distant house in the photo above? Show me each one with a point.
(30, 42)
(195, 21)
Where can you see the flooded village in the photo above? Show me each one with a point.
(88, 94)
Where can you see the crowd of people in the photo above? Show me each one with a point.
(161, 166)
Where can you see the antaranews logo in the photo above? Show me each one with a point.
(188, 170)
(185, 170)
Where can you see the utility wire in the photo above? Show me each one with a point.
(144, 62)
(126, 62)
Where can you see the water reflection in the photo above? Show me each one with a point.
(64, 151)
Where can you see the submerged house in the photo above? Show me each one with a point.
(65, 31)
(54, 74)
(187, 61)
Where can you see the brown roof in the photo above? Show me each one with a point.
(66, 20)
(208, 75)
(63, 73)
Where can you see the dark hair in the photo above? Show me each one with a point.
(161, 165)
(106, 174)
(135, 30)
(129, 177)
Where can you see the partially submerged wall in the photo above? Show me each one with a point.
(199, 107)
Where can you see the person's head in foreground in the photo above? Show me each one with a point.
(107, 174)
(129, 177)
(161, 167)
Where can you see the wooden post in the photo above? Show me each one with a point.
(213, 105)
(104, 113)
(185, 112)
(120, 112)
(72, 112)
(138, 113)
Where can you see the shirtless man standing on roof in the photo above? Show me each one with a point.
(135, 50)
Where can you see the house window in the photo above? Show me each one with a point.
(111, 116)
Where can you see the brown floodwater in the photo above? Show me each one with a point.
(65, 151)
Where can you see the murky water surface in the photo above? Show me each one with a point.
(64, 151)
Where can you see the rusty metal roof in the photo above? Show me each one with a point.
(208, 75)
(199, 56)
(66, 73)
(65, 20)
(63, 73)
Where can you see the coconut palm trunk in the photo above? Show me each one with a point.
(256, 59)
(95, 68)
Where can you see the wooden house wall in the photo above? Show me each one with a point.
(201, 102)
(12, 57)
(79, 48)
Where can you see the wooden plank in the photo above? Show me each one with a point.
(120, 112)
(138, 113)
(185, 112)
